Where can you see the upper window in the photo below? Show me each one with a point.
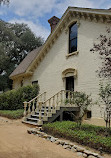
(73, 38)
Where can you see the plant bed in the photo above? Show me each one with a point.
(89, 135)
(12, 114)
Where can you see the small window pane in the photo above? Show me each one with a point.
(73, 45)
(73, 31)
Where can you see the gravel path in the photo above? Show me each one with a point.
(16, 143)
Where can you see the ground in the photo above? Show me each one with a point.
(15, 142)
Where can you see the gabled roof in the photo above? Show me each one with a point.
(22, 67)
(32, 60)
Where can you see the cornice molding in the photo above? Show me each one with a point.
(25, 74)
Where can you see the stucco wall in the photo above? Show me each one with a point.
(49, 71)
(17, 82)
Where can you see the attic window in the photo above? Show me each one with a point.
(73, 38)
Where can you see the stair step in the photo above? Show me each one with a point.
(38, 113)
(29, 122)
(35, 116)
(34, 119)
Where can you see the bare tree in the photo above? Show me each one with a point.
(103, 48)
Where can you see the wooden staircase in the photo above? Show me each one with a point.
(39, 110)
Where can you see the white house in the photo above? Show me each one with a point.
(65, 62)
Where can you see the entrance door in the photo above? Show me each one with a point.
(70, 83)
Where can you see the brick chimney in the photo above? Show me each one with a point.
(53, 22)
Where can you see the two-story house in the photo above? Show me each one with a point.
(65, 62)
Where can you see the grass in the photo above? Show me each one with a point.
(89, 135)
(12, 114)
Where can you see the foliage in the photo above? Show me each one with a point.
(13, 100)
(16, 41)
(105, 94)
(103, 47)
(104, 50)
(89, 135)
(4, 2)
(12, 114)
(81, 100)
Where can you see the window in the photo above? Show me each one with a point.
(89, 114)
(34, 82)
(21, 83)
(73, 38)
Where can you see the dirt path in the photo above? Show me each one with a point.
(16, 143)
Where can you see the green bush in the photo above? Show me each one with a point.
(12, 114)
(13, 100)
(89, 135)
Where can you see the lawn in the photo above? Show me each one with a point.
(12, 114)
(89, 135)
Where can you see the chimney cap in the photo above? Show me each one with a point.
(53, 19)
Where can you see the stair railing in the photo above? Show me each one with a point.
(33, 105)
(56, 101)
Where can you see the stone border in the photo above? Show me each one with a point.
(69, 146)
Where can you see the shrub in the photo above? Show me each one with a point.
(81, 100)
(13, 100)
(89, 135)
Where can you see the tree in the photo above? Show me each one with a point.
(103, 48)
(4, 2)
(16, 41)
(105, 94)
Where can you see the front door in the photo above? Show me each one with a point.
(70, 83)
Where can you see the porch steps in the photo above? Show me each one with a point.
(30, 123)
(37, 112)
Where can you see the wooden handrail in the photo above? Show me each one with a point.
(36, 97)
(58, 93)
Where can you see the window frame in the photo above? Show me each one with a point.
(71, 52)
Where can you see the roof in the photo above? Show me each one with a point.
(35, 56)
(22, 67)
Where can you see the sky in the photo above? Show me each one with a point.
(36, 13)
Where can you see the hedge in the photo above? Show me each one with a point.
(13, 100)
(89, 135)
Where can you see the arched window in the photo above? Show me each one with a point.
(73, 38)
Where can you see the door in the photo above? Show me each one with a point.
(70, 83)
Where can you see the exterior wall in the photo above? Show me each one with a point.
(95, 121)
(49, 71)
(17, 82)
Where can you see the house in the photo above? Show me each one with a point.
(65, 62)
